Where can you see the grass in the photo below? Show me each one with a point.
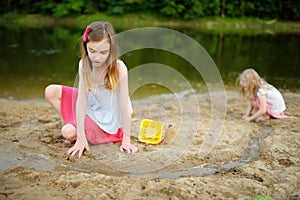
(211, 24)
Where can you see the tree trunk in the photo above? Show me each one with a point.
(96, 7)
(219, 51)
(223, 8)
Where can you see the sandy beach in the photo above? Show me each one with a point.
(245, 160)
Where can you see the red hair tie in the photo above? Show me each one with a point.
(85, 35)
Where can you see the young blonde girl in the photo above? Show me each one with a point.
(99, 111)
(265, 98)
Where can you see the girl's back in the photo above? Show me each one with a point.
(273, 96)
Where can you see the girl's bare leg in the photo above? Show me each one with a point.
(53, 96)
(68, 131)
(262, 118)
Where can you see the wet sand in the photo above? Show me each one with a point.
(246, 160)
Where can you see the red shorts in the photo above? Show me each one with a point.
(93, 132)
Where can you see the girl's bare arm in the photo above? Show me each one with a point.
(249, 110)
(262, 110)
(81, 142)
(125, 109)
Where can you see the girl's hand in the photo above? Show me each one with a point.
(248, 119)
(245, 117)
(78, 147)
(129, 148)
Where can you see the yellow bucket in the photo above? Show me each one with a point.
(151, 132)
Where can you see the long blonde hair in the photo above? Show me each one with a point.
(254, 82)
(97, 31)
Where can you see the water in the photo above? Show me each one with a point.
(33, 58)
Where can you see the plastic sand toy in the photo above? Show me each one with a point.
(151, 132)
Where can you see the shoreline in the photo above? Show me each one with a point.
(211, 24)
(138, 99)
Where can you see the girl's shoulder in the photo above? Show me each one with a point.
(265, 88)
(121, 67)
(120, 63)
(80, 63)
(80, 66)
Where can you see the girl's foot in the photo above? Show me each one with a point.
(262, 118)
(69, 142)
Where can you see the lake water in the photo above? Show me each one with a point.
(32, 58)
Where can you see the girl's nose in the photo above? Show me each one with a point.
(98, 56)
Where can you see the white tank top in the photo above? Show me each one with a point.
(274, 98)
(104, 109)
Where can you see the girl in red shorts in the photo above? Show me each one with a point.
(99, 111)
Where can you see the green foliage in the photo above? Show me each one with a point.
(67, 7)
(289, 9)
(171, 8)
(183, 9)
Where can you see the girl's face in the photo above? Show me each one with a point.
(98, 52)
(244, 84)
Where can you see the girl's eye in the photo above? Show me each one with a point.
(104, 52)
(92, 51)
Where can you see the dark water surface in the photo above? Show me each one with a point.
(32, 58)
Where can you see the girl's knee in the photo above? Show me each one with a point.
(52, 91)
(68, 131)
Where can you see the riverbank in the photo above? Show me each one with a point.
(212, 25)
(247, 159)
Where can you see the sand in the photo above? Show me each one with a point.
(241, 161)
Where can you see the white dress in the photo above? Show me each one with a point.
(274, 98)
